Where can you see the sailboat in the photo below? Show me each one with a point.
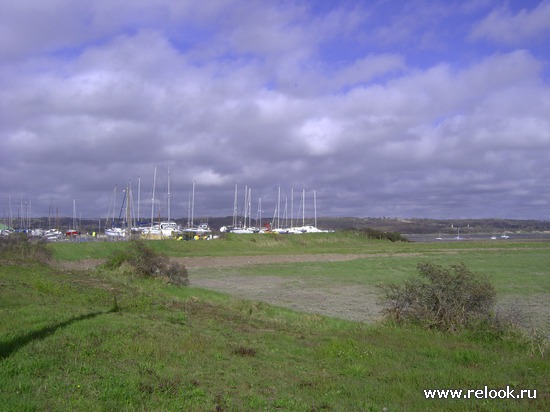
(111, 230)
(307, 228)
(73, 232)
(125, 230)
(153, 231)
(192, 231)
(237, 226)
(169, 228)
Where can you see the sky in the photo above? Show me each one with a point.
(427, 109)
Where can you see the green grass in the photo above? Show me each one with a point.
(513, 272)
(66, 345)
(272, 244)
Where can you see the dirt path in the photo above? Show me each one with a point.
(352, 302)
(236, 261)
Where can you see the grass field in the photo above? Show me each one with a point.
(100, 339)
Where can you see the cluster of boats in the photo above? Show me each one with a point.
(268, 229)
(125, 226)
(48, 234)
(162, 230)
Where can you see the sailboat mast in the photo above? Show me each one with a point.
(259, 214)
(315, 207)
(278, 208)
(245, 211)
(291, 207)
(235, 208)
(249, 207)
(153, 199)
(303, 207)
(285, 214)
(193, 205)
(74, 214)
(139, 199)
(10, 224)
(169, 196)
(128, 211)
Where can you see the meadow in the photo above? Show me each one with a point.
(76, 336)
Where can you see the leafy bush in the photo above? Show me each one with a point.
(145, 261)
(447, 298)
(379, 235)
(21, 248)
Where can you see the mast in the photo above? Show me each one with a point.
(292, 207)
(128, 210)
(139, 199)
(11, 215)
(193, 204)
(285, 214)
(259, 213)
(168, 193)
(153, 200)
(278, 208)
(74, 214)
(315, 207)
(303, 207)
(245, 206)
(249, 207)
(235, 208)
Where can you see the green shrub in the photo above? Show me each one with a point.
(379, 235)
(144, 261)
(447, 298)
(20, 248)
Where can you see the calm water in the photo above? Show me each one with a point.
(484, 236)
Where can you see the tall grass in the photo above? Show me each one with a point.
(24, 249)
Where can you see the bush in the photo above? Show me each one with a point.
(447, 298)
(145, 261)
(379, 235)
(20, 248)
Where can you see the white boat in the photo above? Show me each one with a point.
(201, 229)
(237, 227)
(52, 234)
(111, 230)
(169, 229)
(37, 232)
(115, 232)
(153, 230)
(237, 230)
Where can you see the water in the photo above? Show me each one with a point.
(477, 237)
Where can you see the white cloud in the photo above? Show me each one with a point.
(502, 26)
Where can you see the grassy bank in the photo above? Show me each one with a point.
(263, 244)
(107, 340)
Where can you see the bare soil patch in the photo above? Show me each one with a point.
(235, 261)
(355, 302)
(352, 302)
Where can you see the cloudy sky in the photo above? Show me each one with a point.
(385, 108)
